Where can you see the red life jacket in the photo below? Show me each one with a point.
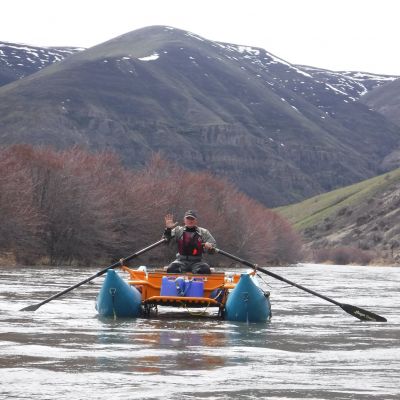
(190, 244)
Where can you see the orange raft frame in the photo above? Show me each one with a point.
(216, 287)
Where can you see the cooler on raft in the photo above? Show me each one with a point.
(182, 286)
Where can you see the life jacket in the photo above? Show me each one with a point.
(190, 243)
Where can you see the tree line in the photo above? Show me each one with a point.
(73, 206)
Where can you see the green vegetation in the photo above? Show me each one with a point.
(315, 210)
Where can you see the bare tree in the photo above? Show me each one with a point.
(76, 206)
(20, 221)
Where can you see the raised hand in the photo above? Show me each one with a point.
(169, 221)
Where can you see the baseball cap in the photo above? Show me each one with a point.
(191, 214)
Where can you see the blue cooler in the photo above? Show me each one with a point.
(168, 286)
(178, 286)
(194, 288)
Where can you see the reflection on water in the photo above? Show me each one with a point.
(164, 345)
(310, 349)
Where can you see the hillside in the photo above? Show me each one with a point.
(20, 60)
(386, 100)
(350, 83)
(278, 131)
(364, 215)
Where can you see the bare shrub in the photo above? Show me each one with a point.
(75, 206)
(343, 255)
(20, 220)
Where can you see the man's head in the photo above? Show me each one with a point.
(190, 218)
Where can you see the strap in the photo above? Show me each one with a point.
(182, 286)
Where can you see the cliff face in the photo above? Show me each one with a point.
(278, 131)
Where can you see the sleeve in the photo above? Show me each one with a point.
(207, 237)
(167, 234)
(170, 233)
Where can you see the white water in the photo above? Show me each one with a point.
(310, 349)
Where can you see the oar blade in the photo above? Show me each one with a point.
(362, 314)
(33, 307)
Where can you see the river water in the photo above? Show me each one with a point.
(310, 349)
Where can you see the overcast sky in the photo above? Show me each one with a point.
(358, 35)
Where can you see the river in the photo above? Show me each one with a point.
(310, 349)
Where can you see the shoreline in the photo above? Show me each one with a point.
(10, 262)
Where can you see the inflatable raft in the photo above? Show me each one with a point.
(237, 297)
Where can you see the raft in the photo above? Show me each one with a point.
(236, 297)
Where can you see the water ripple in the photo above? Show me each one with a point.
(310, 349)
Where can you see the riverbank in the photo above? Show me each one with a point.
(7, 260)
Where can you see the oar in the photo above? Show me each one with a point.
(103, 271)
(357, 312)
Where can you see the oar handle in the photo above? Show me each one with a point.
(102, 272)
(138, 253)
(236, 258)
(281, 278)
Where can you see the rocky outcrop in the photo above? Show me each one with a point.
(372, 223)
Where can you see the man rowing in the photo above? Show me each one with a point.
(190, 241)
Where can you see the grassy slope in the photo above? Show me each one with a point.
(315, 209)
